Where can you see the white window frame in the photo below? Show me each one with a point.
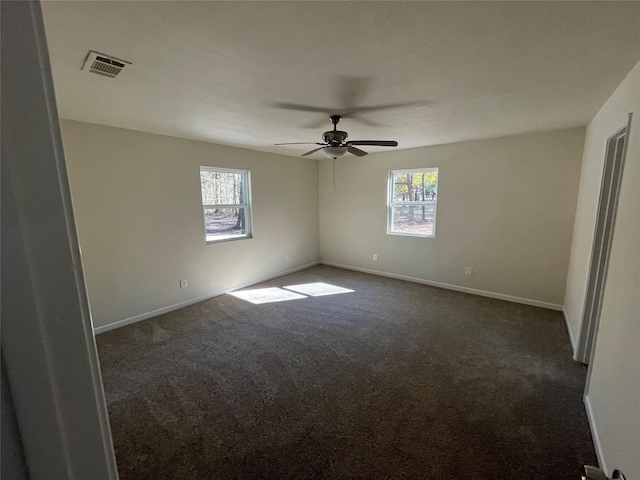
(247, 205)
(391, 203)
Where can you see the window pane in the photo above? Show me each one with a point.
(222, 188)
(221, 223)
(414, 219)
(415, 187)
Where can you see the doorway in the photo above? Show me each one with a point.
(603, 236)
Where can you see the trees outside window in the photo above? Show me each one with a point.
(226, 202)
(412, 202)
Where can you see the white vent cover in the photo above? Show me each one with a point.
(104, 64)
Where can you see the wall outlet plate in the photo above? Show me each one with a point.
(183, 283)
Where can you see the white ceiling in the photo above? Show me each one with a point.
(215, 71)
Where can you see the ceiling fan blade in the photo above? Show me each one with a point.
(312, 151)
(351, 90)
(363, 120)
(319, 122)
(356, 151)
(299, 143)
(391, 106)
(380, 143)
(301, 108)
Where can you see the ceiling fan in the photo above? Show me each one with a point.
(349, 93)
(335, 143)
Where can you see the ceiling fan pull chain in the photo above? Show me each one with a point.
(334, 173)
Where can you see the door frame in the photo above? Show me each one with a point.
(48, 346)
(613, 167)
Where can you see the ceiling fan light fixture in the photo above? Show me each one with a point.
(334, 152)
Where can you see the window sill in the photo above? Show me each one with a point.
(226, 238)
(407, 234)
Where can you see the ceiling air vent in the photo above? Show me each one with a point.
(104, 64)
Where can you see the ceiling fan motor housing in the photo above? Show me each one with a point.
(334, 137)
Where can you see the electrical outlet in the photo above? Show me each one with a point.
(468, 271)
(375, 257)
(286, 257)
(183, 283)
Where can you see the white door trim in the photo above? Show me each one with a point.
(602, 239)
(47, 337)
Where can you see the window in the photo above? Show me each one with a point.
(226, 201)
(412, 202)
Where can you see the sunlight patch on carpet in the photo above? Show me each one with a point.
(317, 289)
(266, 295)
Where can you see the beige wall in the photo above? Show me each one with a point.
(505, 208)
(139, 216)
(613, 396)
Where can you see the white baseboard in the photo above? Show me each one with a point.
(484, 293)
(594, 434)
(570, 333)
(186, 303)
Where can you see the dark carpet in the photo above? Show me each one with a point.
(396, 380)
